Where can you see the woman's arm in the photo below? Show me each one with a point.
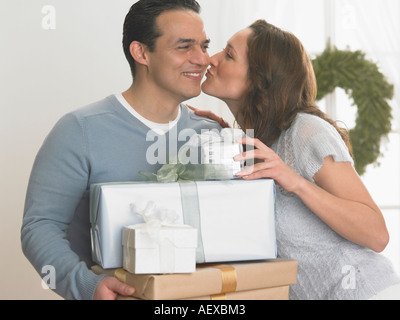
(340, 198)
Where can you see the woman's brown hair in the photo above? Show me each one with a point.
(283, 84)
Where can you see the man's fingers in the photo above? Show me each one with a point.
(121, 288)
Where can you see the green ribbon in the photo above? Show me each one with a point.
(189, 172)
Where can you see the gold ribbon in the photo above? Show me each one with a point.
(229, 281)
(229, 278)
(120, 274)
(219, 297)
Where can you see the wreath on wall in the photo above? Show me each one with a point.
(368, 88)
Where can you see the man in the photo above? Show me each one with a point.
(166, 47)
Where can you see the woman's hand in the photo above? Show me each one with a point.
(210, 115)
(271, 166)
(339, 198)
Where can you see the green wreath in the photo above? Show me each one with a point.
(369, 90)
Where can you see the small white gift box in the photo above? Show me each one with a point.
(166, 250)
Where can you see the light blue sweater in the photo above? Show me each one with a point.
(99, 143)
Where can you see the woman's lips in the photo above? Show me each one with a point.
(209, 73)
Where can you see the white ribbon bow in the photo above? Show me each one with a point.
(155, 217)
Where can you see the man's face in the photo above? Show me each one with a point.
(180, 59)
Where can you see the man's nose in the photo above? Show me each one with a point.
(200, 57)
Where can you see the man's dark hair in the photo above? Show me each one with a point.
(140, 23)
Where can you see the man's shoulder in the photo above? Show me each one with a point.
(97, 108)
(97, 111)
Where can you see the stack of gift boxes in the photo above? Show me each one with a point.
(193, 240)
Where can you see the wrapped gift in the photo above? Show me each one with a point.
(149, 248)
(235, 219)
(269, 279)
(218, 148)
(276, 293)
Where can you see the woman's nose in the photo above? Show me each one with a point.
(214, 60)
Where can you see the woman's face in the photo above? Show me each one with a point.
(227, 77)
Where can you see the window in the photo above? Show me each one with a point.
(373, 27)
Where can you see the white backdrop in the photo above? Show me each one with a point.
(58, 55)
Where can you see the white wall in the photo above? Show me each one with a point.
(47, 73)
(43, 75)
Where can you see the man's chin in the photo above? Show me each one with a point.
(193, 94)
(205, 88)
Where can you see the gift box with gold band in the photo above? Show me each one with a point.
(260, 280)
(235, 219)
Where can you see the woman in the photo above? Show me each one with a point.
(325, 217)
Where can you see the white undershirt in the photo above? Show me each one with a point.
(159, 128)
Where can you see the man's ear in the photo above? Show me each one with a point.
(138, 51)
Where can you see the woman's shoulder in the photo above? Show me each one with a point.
(309, 125)
(308, 120)
(313, 139)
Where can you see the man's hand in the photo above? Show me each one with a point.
(109, 288)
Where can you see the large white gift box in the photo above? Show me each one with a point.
(235, 219)
(163, 249)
